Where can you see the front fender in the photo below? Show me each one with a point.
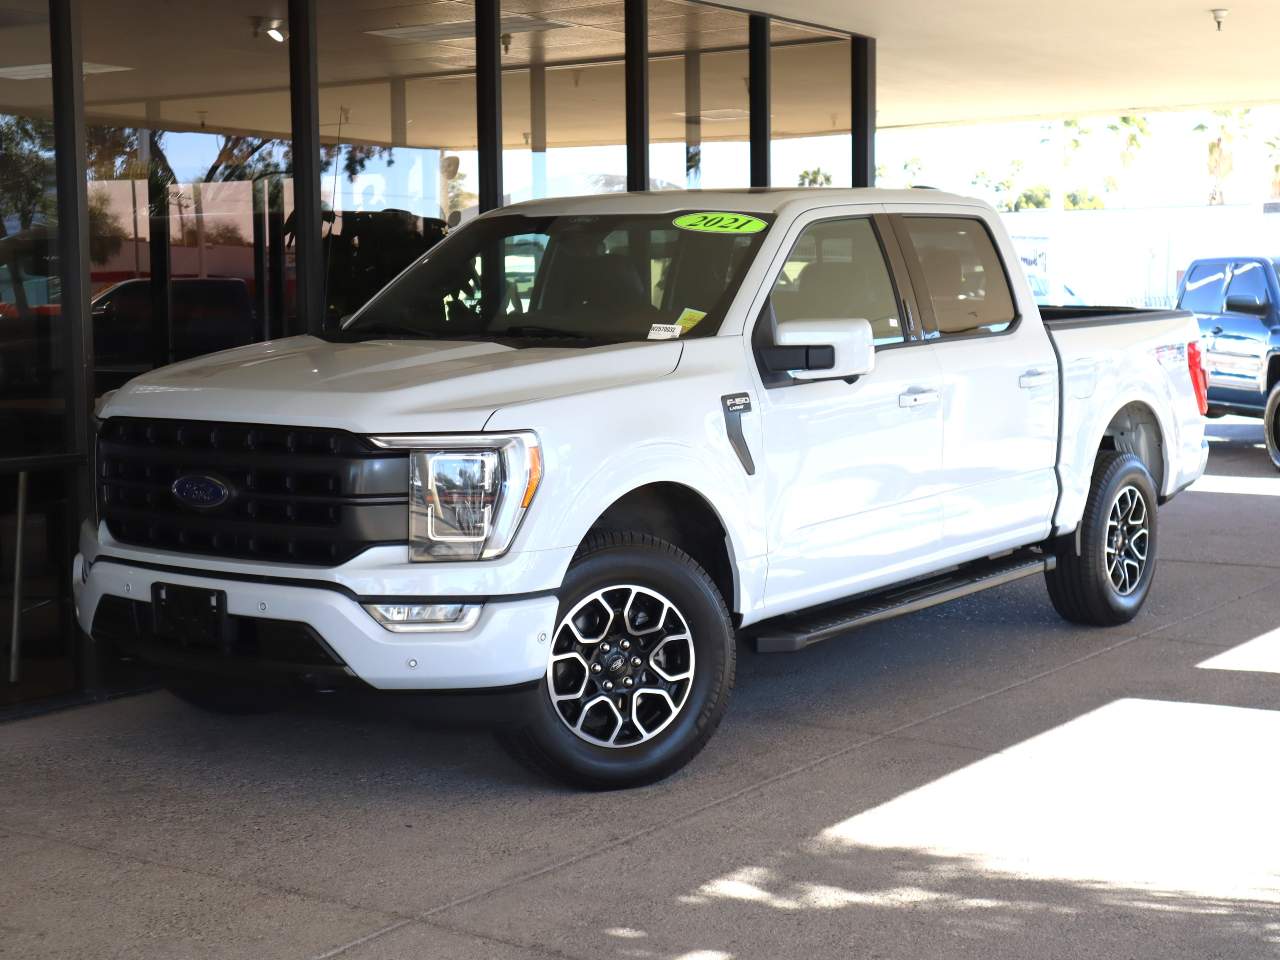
(601, 447)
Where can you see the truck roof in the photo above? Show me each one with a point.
(752, 200)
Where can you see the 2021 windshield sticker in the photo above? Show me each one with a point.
(719, 222)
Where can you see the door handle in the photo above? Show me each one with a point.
(1216, 330)
(917, 397)
(1034, 378)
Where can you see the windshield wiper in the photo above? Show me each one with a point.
(535, 330)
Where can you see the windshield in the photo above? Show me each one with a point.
(580, 279)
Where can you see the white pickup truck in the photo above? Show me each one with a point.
(582, 446)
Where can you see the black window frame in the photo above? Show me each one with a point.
(920, 283)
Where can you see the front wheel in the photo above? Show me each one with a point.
(639, 668)
(1106, 581)
(1271, 424)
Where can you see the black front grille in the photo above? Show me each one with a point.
(296, 494)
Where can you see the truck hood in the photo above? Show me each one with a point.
(381, 386)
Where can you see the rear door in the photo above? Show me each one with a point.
(1000, 385)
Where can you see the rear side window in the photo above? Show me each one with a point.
(1249, 281)
(963, 274)
(1203, 288)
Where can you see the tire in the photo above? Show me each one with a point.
(1097, 586)
(601, 740)
(218, 697)
(1271, 424)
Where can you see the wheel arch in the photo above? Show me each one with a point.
(684, 517)
(1136, 428)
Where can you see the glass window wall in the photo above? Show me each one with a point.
(812, 107)
(189, 187)
(699, 114)
(33, 372)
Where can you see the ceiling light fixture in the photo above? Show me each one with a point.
(271, 27)
(1219, 14)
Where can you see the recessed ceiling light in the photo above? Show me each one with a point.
(271, 27)
(44, 71)
(465, 29)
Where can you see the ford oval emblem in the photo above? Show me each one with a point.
(200, 491)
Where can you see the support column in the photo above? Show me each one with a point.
(636, 25)
(864, 111)
(489, 103)
(305, 109)
(758, 55)
(693, 119)
(159, 243)
(76, 332)
(73, 219)
(538, 129)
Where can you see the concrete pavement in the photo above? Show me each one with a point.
(979, 780)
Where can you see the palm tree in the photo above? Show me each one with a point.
(1133, 131)
(1221, 134)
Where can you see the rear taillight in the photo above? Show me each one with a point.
(1195, 363)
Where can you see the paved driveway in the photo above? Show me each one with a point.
(981, 780)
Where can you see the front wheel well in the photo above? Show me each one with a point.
(1135, 429)
(682, 517)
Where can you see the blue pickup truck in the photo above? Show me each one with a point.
(1237, 302)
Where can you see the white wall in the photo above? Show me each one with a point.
(1133, 257)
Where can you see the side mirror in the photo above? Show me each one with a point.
(823, 349)
(1248, 305)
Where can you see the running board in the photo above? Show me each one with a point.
(796, 631)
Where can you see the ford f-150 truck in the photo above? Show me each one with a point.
(1237, 302)
(580, 447)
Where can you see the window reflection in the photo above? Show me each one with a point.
(32, 369)
(699, 117)
(812, 107)
(189, 188)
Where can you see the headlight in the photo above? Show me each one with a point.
(467, 494)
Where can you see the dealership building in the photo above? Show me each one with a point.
(182, 178)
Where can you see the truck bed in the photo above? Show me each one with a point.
(1130, 360)
(1060, 318)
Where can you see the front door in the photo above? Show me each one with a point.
(1238, 337)
(852, 467)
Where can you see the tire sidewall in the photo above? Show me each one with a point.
(1134, 473)
(712, 637)
(1271, 425)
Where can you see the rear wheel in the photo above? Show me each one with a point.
(639, 668)
(1107, 580)
(1271, 424)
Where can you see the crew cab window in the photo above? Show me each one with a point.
(963, 274)
(837, 271)
(1248, 280)
(1203, 289)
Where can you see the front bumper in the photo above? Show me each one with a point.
(507, 646)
